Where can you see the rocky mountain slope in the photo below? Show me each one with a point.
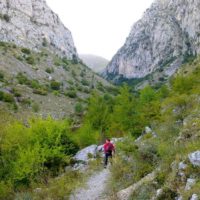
(44, 83)
(96, 63)
(40, 71)
(32, 24)
(167, 35)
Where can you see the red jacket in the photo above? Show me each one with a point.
(108, 146)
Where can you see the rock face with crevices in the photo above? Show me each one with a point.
(32, 24)
(167, 35)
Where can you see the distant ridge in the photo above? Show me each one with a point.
(96, 63)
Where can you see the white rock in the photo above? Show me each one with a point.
(100, 148)
(179, 198)
(148, 129)
(194, 197)
(182, 166)
(190, 182)
(80, 167)
(159, 192)
(82, 155)
(195, 158)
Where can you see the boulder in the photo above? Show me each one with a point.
(195, 158)
(182, 166)
(190, 182)
(83, 155)
(194, 197)
(80, 167)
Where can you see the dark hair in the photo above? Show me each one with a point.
(108, 139)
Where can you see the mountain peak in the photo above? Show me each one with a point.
(166, 36)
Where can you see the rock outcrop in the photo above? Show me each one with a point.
(32, 24)
(167, 35)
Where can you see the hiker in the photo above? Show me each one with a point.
(108, 150)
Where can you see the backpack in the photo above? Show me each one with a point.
(109, 147)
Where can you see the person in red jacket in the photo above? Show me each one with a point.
(108, 150)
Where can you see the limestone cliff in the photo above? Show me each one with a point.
(166, 36)
(32, 24)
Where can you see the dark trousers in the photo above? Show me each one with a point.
(107, 155)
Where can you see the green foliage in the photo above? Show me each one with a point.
(78, 108)
(6, 97)
(75, 59)
(29, 151)
(1, 76)
(71, 94)
(30, 60)
(86, 135)
(6, 17)
(85, 82)
(35, 107)
(55, 85)
(49, 70)
(22, 79)
(26, 51)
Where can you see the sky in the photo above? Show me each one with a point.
(99, 27)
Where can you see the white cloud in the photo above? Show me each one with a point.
(99, 27)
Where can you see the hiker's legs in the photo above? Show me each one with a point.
(106, 159)
(108, 156)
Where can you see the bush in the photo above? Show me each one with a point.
(1, 95)
(71, 94)
(85, 82)
(26, 51)
(49, 70)
(22, 79)
(30, 60)
(28, 151)
(167, 194)
(1, 76)
(78, 108)
(55, 85)
(6, 17)
(35, 107)
(40, 91)
(8, 98)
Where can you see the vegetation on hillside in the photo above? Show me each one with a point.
(35, 150)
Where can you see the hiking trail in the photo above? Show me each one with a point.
(95, 188)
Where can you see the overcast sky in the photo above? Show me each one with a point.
(99, 27)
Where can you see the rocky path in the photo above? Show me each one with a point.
(95, 188)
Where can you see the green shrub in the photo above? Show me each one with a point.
(1, 95)
(35, 107)
(65, 61)
(167, 194)
(1, 76)
(26, 51)
(78, 108)
(22, 79)
(40, 91)
(6, 17)
(71, 94)
(30, 150)
(74, 59)
(30, 60)
(85, 82)
(8, 98)
(55, 85)
(49, 70)
(26, 102)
